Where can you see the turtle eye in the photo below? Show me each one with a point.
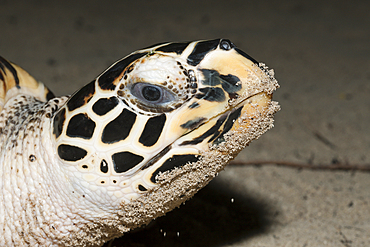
(151, 94)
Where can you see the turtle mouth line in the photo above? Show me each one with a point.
(235, 104)
(224, 121)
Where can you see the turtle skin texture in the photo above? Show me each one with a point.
(140, 139)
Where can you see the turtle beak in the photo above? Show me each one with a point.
(239, 76)
(236, 91)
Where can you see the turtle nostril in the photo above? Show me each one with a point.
(226, 44)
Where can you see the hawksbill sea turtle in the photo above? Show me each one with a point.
(136, 142)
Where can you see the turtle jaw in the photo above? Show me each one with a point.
(238, 117)
(253, 107)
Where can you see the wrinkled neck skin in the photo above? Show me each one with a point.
(38, 205)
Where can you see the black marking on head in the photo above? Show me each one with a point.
(81, 126)
(226, 44)
(228, 82)
(230, 79)
(103, 106)
(153, 130)
(142, 188)
(50, 95)
(246, 55)
(211, 94)
(106, 80)
(194, 105)
(212, 131)
(174, 47)
(119, 128)
(81, 97)
(200, 51)
(124, 161)
(104, 166)
(5, 63)
(211, 77)
(229, 123)
(71, 153)
(194, 123)
(173, 162)
(231, 119)
(59, 120)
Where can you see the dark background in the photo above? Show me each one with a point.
(320, 51)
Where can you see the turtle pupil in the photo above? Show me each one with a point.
(151, 93)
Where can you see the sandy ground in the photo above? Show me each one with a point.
(320, 51)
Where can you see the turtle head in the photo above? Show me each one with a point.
(156, 113)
